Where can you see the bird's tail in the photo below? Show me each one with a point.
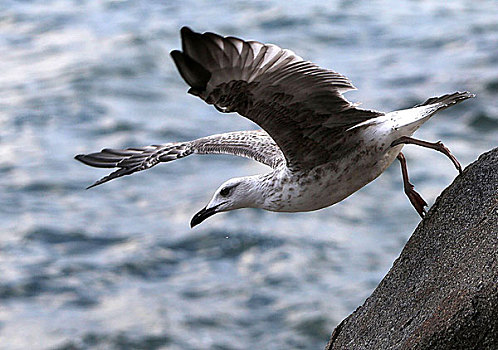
(407, 121)
(131, 160)
(436, 104)
(445, 101)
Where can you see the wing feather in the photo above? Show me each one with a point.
(298, 103)
(257, 145)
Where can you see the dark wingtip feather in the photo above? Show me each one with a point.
(186, 31)
(99, 182)
(114, 175)
(96, 183)
(186, 34)
(93, 185)
(98, 160)
(87, 159)
(93, 160)
(191, 71)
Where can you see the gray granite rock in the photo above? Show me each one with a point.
(442, 292)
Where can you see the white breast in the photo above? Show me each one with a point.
(332, 182)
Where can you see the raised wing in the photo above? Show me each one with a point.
(256, 145)
(299, 104)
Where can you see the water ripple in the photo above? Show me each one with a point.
(118, 267)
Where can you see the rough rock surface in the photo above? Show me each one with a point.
(442, 292)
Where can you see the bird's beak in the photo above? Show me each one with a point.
(202, 215)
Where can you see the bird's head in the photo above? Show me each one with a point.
(236, 193)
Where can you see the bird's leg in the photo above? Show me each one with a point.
(438, 146)
(415, 198)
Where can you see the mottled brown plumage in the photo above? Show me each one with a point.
(298, 103)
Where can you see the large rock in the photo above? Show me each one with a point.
(442, 292)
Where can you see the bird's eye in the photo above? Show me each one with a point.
(225, 191)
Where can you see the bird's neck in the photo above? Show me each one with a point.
(254, 191)
(267, 188)
(257, 190)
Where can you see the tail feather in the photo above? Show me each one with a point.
(445, 101)
(437, 104)
(131, 160)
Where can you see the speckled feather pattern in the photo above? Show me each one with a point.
(257, 145)
(298, 103)
(321, 148)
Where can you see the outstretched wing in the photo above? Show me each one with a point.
(299, 104)
(256, 145)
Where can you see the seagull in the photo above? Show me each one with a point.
(320, 147)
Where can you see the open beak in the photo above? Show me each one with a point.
(203, 215)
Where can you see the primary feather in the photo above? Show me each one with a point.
(299, 104)
(255, 144)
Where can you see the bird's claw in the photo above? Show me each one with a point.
(417, 201)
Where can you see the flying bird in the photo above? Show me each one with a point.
(320, 147)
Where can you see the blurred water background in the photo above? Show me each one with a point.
(117, 267)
